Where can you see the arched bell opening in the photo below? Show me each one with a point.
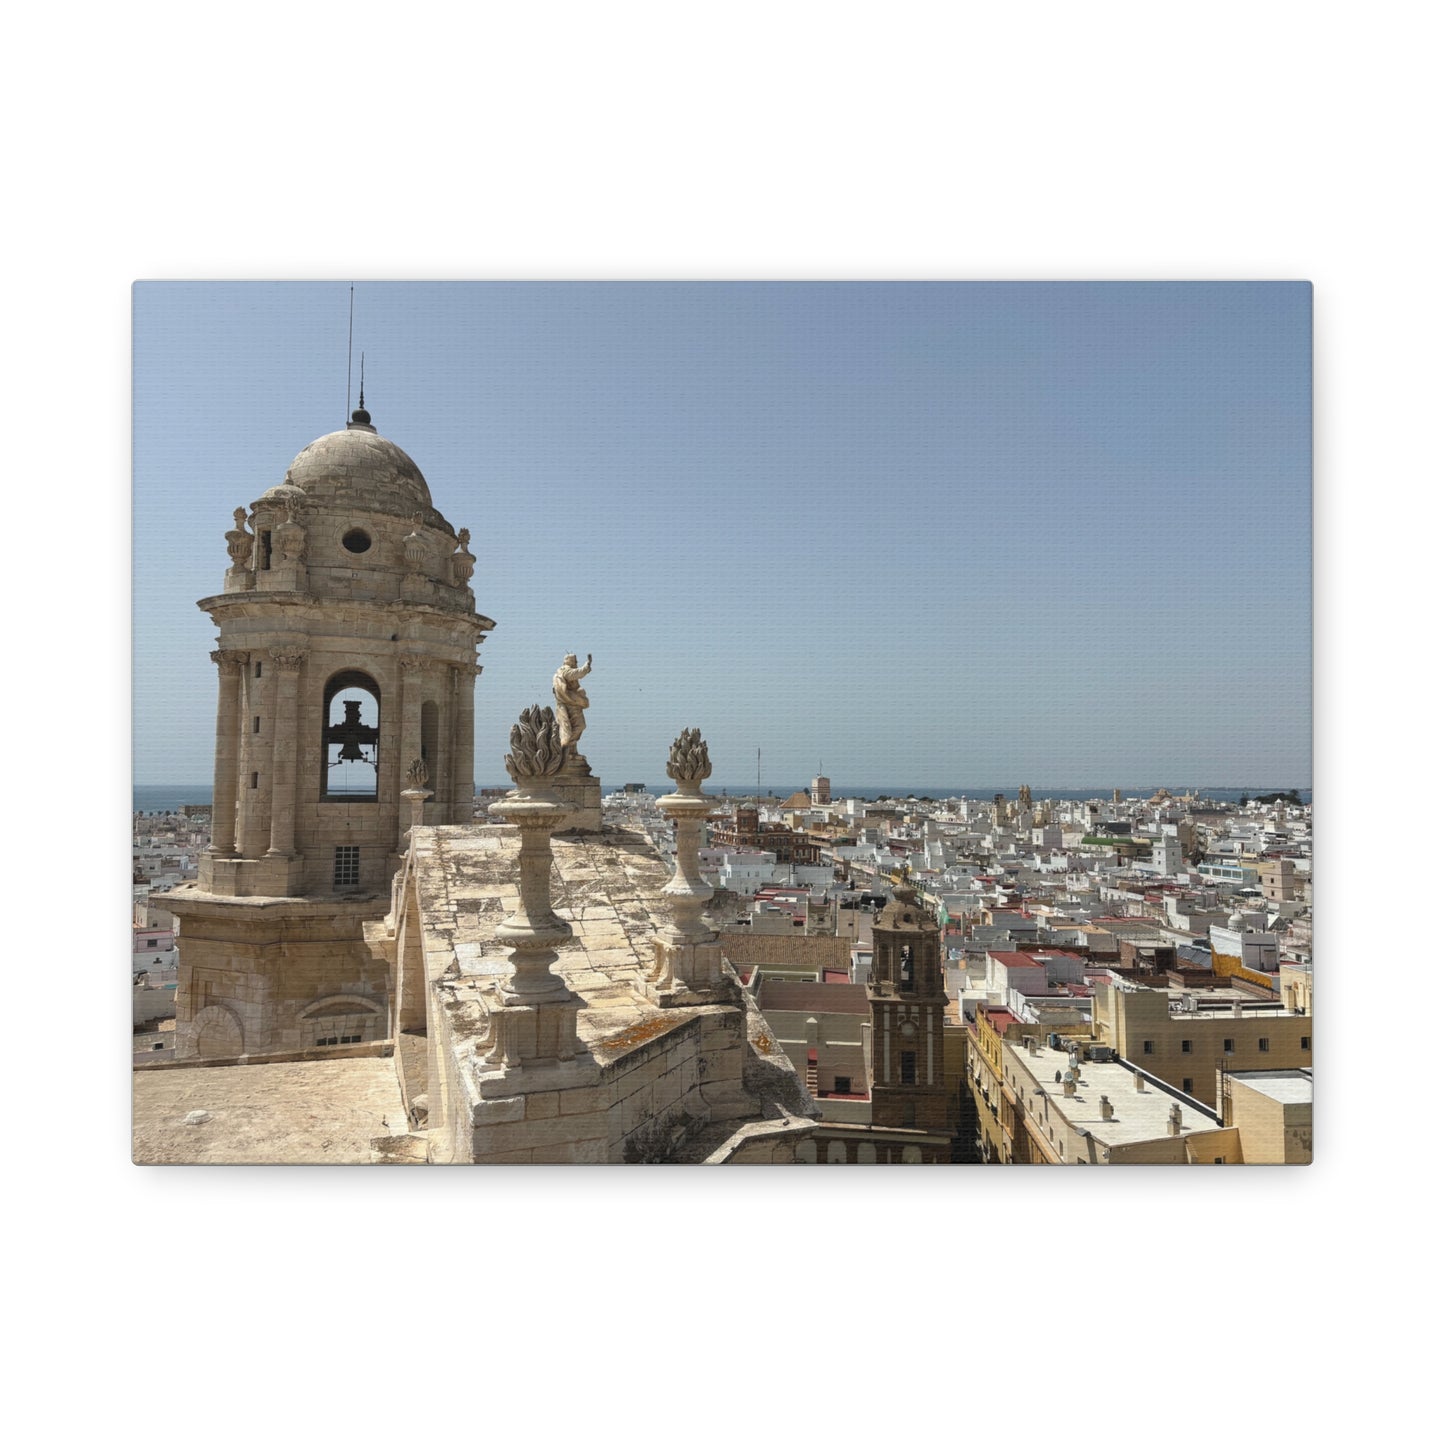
(350, 738)
(429, 754)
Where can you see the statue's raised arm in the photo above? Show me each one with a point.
(571, 700)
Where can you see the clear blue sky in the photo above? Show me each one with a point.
(940, 534)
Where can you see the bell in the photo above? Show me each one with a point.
(351, 732)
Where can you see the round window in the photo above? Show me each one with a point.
(356, 541)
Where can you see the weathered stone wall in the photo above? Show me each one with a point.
(285, 980)
(791, 950)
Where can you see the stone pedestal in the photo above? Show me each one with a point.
(524, 1034)
(580, 793)
(536, 1020)
(685, 975)
(687, 967)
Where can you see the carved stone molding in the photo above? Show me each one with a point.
(229, 660)
(289, 659)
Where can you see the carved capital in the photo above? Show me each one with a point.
(467, 669)
(229, 661)
(412, 666)
(288, 659)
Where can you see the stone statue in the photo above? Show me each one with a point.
(239, 542)
(463, 537)
(571, 700)
(417, 774)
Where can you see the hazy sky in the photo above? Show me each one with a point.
(941, 534)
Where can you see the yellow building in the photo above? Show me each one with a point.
(1185, 1049)
(1297, 987)
(1272, 1111)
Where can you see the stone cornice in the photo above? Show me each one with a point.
(262, 606)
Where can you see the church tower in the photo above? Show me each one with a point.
(347, 653)
(906, 999)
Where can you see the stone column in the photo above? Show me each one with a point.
(463, 763)
(688, 959)
(537, 1022)
(287, 662)
(443, 687)
(409, 714)
(228, 753)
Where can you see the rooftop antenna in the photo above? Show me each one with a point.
(361, 400)
(350, 324)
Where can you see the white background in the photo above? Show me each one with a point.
(1135, 141)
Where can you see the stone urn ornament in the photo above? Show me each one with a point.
(534, 931)
(689, 766)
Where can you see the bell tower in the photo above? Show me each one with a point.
(906, 999)
(348, 637)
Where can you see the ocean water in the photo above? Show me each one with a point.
(170, 797)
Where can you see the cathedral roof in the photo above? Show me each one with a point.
(357, 467)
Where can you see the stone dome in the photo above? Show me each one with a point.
(356, 467)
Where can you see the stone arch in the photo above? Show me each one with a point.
(340, 1003)
(341, 1018)
(837, 1152)
(216, 1033)
(867, 1153)
(912, 1154)
(807, 1152)
(349, 736)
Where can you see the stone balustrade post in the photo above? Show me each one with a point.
(416, 797)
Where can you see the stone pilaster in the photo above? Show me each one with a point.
(412, 671)
(228, 760)
(442, 689)
(287, 663)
